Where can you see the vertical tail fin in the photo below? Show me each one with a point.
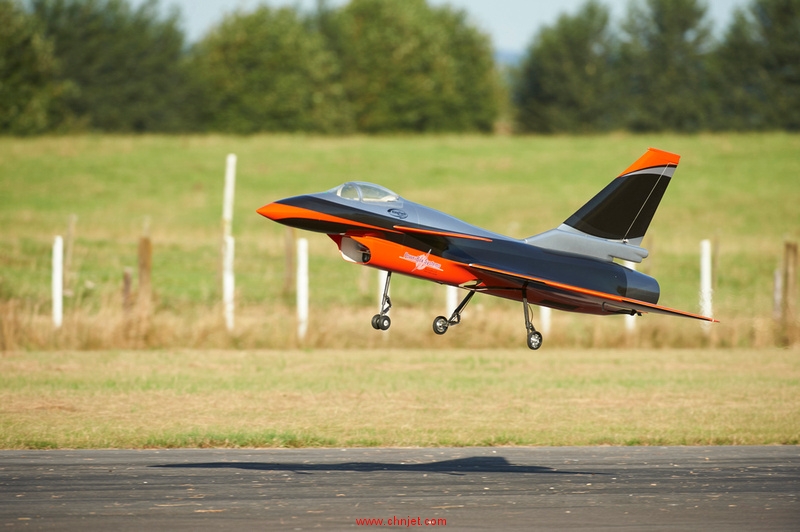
(624, 208)
(613, 223)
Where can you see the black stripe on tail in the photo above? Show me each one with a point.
(624, 209)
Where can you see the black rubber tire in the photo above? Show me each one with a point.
(440, 325)
(534, 340)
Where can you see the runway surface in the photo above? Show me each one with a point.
(597, 488)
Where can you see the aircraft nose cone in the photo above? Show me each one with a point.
(271, 210)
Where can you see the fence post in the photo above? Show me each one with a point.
(228, 282)
(706, 306)
(777, 294)
(58, 281)
(545, 319)
(67, 286)
(227, 194)
(126, 290)
(144, 297)
(289, 281)
(789, 296)
(302, 288)
(228, 279)
(451, 299)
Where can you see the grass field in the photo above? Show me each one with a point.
(138, 399)
(741, 190)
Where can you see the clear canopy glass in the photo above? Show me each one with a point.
(366, 192)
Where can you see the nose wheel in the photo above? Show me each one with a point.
(380, 321)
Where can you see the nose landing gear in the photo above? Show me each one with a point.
(380, 321)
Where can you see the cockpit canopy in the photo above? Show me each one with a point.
(365, 192)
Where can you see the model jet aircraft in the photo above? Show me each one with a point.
(568, 268)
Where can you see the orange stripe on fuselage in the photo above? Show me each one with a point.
(653, 158)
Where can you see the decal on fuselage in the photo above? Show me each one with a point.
(421, 261)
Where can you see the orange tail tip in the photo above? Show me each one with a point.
(653, 158)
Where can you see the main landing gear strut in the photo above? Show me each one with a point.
(381, 321)
(534, 336)
(440, 324)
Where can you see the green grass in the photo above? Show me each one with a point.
(330, 398)
(741, 190)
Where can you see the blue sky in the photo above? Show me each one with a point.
(511, 24)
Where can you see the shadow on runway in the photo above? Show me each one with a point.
(460, 466)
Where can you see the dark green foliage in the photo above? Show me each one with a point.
(739, 79)
(125, 64)
(662, 69)
(267, 71)
(758, 68)
(664, 72)
(474, 105)
(409, 67)
(29, 92)
(564, 82)
(389, 65)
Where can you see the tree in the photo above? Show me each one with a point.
(126, 65)
(474, 104)
(29, 92)
(270, 71)
(409, 67)
(758, 67)
(662, 73)
(563, 84)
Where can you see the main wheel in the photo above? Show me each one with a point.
(534, 340)
(384, 322)
(376, 322)
(440, 325)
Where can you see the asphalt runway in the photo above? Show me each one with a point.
(596, 488)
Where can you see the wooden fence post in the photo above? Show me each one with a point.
(58, 282)
(127, 303)
(777, 295)
(144, 295)
(789, 296)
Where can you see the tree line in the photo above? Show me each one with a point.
(663, 70)
(393, 66)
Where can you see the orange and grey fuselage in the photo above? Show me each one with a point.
(569, 268)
